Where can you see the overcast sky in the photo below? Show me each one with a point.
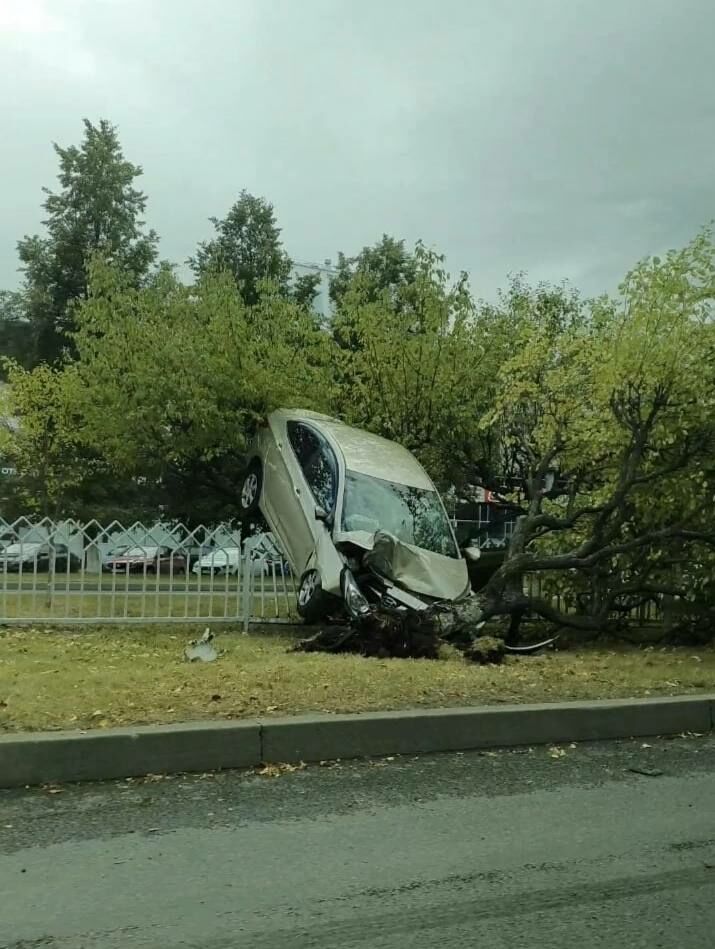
(567, 138)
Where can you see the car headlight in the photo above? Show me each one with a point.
(353, 596)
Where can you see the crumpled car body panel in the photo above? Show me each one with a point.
(420, 571)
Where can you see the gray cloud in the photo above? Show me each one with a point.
(564, 137)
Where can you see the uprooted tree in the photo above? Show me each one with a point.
(601, 425)
(605, 422)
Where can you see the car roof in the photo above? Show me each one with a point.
(366, 452)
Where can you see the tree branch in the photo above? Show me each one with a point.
(575, 560)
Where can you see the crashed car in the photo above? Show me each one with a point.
(357, 516)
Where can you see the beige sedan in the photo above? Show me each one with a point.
(357, 516)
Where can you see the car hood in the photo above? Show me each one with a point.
(413, 568)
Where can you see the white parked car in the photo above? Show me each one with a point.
(224, 561)
(356, 515)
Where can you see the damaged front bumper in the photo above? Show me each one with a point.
(395, 575)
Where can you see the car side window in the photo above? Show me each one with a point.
(318, 462)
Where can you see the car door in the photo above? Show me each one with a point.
(318, 464)
(282, 499)
(316, 486)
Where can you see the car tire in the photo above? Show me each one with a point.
(312, 600)
(250, 493)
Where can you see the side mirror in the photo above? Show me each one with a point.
(472, 553)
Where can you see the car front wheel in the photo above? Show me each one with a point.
(251, 490)
(311, 598)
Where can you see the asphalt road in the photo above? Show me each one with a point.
(508, 849)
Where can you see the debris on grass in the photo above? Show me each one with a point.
(485, 650)
(203, 649)
(135, 675)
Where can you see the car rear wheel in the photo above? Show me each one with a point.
(251, 489)
(312, 605)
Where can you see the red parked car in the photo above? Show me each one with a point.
(143, 559)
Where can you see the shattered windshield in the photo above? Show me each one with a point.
(414, 515)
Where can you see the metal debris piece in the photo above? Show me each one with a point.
(201, 650)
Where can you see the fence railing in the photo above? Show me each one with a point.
(493, 531)
(69, 572)
(645, 613)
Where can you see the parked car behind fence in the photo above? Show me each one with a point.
(223, 561)
(37, 557)
(141, 559)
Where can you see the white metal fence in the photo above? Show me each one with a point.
(69, 572)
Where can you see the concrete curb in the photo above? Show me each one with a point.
(28, 758)
(99, 755)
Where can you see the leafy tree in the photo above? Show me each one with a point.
(247, 245)
(606, 433)
(174, 379)
(304, 288)
(385, 266)
(414, 371)
(42, 442)
(58, 474)
(500, 328)
(96, 208)
(15, 330)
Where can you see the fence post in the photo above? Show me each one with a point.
(50, 577)
(246, 589)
